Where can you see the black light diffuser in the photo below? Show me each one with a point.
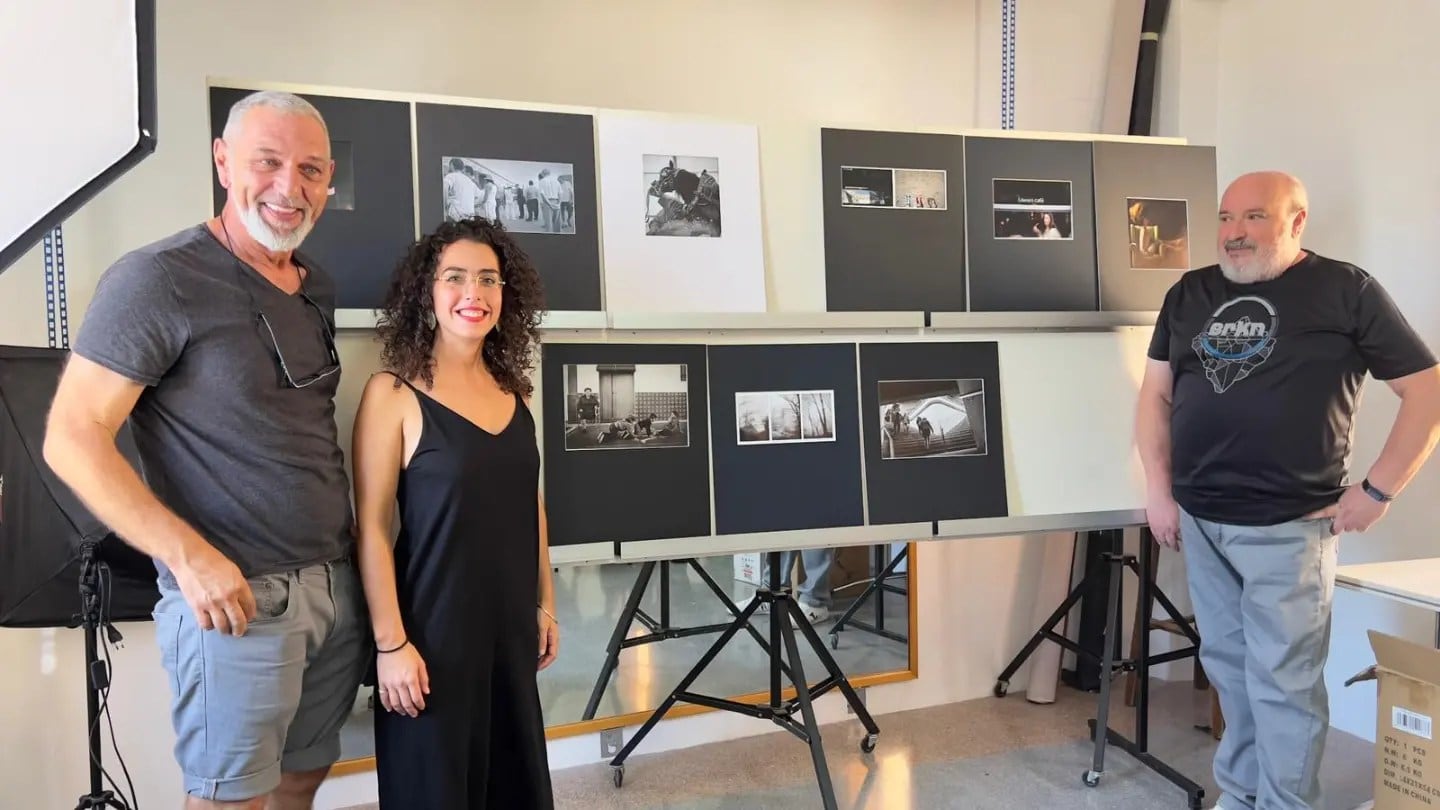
(44, 529)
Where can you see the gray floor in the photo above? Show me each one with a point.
(981, 754)
(977, 755)
(590, 600)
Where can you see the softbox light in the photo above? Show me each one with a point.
(43, 527)
(77, 84)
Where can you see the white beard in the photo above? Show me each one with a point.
(1262, 266)
(261, 231)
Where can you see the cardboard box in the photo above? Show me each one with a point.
(1407, 760)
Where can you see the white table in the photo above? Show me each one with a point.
(1413, 582)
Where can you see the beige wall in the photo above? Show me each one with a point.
(788, 67)
(1361, 133)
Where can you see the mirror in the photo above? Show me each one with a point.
(866, 628)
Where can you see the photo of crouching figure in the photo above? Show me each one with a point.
(682, 196)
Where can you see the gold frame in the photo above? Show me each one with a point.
(560, 731)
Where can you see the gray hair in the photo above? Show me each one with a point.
(275, 100)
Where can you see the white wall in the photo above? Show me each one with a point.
(789, 67)
(1343, 95)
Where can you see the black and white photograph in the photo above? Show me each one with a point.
(342, 183)
(920, 189)
(525, 196)
(626, 406)
(1033, 209)
(1159, 233)
(682, 195)
(931, 418)
(867, 187)
(784, 417)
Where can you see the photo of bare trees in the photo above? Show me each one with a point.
(784, 417)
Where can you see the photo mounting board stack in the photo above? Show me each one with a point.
(1155, 217)
(894, 221)
(463, 150)
(786, 433)
(1030, 225)
(682, 226)
(369, 220)
(618, 473)
(932, 426)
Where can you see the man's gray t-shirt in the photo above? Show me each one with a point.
(250, 462)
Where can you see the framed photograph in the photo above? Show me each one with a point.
(534, 170)
(626, 406)
(932, 418)
(682, 196)
(1033, 209)
(664, 177)
(526, 196)
(1159, 233)
(866, 187)
(784, 417)
(369, 216)
(342, 184)
(909, 189)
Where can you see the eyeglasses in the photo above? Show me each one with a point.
(330, 368)
(487, 279)
(325, 329)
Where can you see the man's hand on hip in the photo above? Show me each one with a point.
(1163, 515)
(1356, 511)
(216, 590)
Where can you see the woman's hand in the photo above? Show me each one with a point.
(549, 639)
(402, 680)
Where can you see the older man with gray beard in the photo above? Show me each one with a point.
(1244, 427)
(217, 344)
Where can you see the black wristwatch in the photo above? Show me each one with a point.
(1375, 493)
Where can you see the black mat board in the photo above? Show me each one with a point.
(626, 490)
(369, 223)
(921, 377)
(881, 258)
(1029, 274)
(569, 262)
(1155, 217)
(774, 479)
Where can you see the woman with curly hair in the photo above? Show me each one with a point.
(461, 605)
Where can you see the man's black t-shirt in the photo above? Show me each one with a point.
(1267, 379)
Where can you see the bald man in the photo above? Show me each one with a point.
(1244, 429)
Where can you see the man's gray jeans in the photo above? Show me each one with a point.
(1262, 598)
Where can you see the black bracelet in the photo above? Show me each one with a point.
(395, 649)
(1375, 493)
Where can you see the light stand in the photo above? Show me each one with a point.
(93, 619)
(783, 611)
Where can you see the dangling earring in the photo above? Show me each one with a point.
(430, 319)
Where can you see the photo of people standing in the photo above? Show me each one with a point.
(525, 196)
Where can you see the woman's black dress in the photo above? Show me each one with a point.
(466, 566)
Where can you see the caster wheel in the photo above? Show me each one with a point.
(867, 743)
(1091, 779)
(834, 642)
(619, 775)
(1002, 688)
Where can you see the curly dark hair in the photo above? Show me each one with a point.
(406, 335)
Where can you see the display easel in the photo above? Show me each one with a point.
(879, 586)
(782, 712)
(659, 630)
(1113, 564)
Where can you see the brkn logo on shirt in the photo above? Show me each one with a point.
(1236, 340)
